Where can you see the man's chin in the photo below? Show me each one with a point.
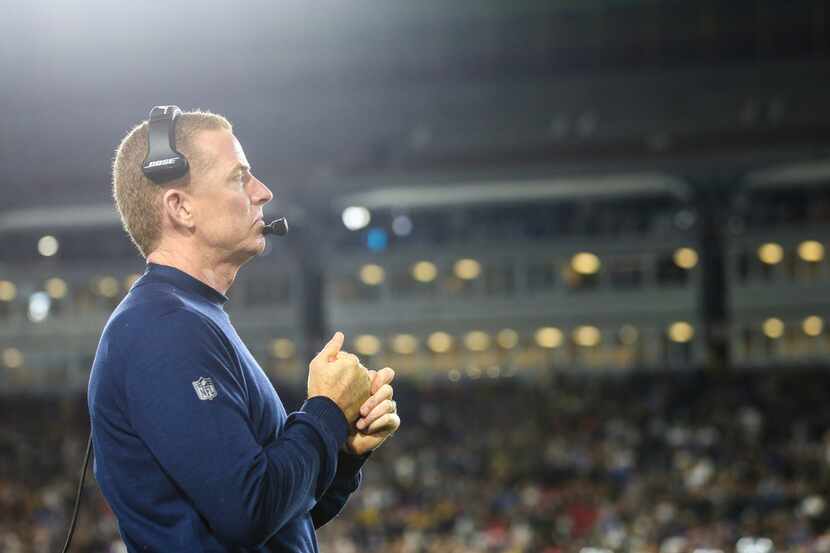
(244, 255)
(261, 245)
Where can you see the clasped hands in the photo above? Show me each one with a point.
(364, 396)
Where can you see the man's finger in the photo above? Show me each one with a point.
(384, 407)
(388, 422)
(383, 376)
(332, 348)
(354, 358)
(384, 392)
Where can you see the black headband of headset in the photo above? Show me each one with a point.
(163, 162)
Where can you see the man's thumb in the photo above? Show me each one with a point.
(332, 348)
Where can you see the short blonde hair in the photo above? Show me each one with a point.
(137, 198)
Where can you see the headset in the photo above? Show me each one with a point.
(164, 163)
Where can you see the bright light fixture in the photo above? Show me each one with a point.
(681, 332)
(366, 344)
(585, 263)
(356, 217)
(507, 338)
(47, 246)
(548, 337)
(811, 251)
(813, 325)
(8, 291)
(685, 258)
(773, 328)
(402, 225)
(424, 271)
(372, 274)
(439, 342)
(283, 348)
(107, 286)
(477, 340)
(39, 305)
(12, 358)
(588, 336)
(467, 269)
(405, 343)
(771, 253)
(56, 288)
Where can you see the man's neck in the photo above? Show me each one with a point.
(217, 275)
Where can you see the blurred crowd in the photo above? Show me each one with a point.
(668, 463)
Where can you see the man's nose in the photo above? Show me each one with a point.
(261, 193)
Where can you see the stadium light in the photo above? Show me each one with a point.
(372, 274)
(107, 286)
(377, 240)
(587, 336)
(12, 358)
(366, 344)
(507, 338)
(467, 269)
(771, 253)
(56, 288)
(773, 328)
(685, 258)
(439, 342)
(811, 251)
(813, 325)
(548, 337)
(356, 217)
(477, 340)
(8, 291)
(47, 246)
(585, 263)
(681, 332)
(404, 343)
(283, 348)
(424, 271)
(402, 225)
(39, 305)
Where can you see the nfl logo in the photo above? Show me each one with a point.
(204, 388)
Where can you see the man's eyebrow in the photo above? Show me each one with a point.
(239, 167)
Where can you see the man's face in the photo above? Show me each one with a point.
(228, 199)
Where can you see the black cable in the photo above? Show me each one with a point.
(78, 495)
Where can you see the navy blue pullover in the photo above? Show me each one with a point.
(194, 450)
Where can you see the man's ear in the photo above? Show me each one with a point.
(178, 206)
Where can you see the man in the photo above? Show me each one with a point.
(194, 450)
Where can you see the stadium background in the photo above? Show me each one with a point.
(589, 236)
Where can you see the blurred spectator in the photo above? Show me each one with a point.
(652, 463)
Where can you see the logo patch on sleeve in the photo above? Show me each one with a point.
(204, 388)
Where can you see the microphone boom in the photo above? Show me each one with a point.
(278, 227)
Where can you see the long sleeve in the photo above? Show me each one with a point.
(346, 481)
(187, 401)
